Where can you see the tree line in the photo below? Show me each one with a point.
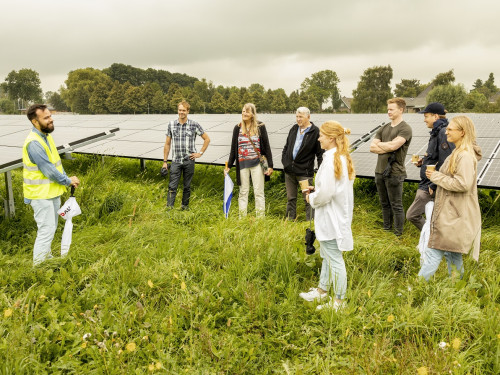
(124, 89)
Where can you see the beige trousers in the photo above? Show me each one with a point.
(258, 190)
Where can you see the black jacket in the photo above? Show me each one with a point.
(303, 165)
(438, 150)
(265, 149)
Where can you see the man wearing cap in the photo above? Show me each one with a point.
(301, 147)
(182, 134)
(391, 143)
(44, 179)
(438, 150)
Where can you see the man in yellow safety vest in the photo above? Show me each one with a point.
(44, 179)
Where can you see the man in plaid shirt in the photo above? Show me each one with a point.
(182, 134)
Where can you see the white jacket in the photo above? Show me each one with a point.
(333, 201)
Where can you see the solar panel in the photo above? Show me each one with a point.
(8, 155)
(15, 129)
(143, 136)
(364, 163)
(491, 178)
(487, 147)
(489, 175)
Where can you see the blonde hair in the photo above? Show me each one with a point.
(252, 128)
(400, 102)
(184, 104)
(465, 124)
(334, 130)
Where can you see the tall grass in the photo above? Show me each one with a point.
(191, 292)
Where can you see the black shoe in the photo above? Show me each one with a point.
(184, 208)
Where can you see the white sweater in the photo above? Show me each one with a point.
(333, 201)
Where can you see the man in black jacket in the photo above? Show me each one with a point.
(301, 147)
(438, 150)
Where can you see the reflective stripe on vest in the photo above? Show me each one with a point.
(35, 184)
(35, 168)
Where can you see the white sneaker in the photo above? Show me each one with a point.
(332, 304)
(313, 295)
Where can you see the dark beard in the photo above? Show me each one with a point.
(47, 129)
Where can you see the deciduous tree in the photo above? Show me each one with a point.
(373, 91)
(407, 88)
(134, 101)
(80, 85)
(116, 97)
(293, 101)
(451, 96)
(234, 103)
(97, 101)
(159, 103)
(24, 85)
(218, 103)
(445, 78)
(7, 106)
(57, 102)
(279, 103)
(323, 86)
(475, 102)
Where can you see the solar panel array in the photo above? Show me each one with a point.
(143, 137)
(68, 135)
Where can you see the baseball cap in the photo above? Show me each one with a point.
(436, 108)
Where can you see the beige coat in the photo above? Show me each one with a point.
(456, 219)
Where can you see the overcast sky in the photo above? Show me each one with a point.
(273, 42)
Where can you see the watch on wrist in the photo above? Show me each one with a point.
(201, 152)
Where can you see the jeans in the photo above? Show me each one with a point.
(432, 258)
(417, 208)
(333, 272)
(176, 169)
(258, 180)
(390, 193)
(46, 217)
(292, 183)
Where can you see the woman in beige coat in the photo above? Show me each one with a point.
(456, 218)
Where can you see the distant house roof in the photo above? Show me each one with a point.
(420, 101)
(347, 101)
(415, 104)
(426, 91)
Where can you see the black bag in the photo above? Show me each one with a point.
(310, 238)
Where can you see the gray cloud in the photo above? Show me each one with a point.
(277, 43)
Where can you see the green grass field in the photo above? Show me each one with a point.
(146, 290)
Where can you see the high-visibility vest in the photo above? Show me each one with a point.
(35, 184)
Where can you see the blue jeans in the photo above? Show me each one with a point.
(46, 217)
(333, 272)
(432, 258)
(176, 169)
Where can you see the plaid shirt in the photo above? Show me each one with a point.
(183, 139)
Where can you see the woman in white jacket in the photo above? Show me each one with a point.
(332, 198)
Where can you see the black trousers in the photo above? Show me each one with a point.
(390, 193)
(292, 184)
